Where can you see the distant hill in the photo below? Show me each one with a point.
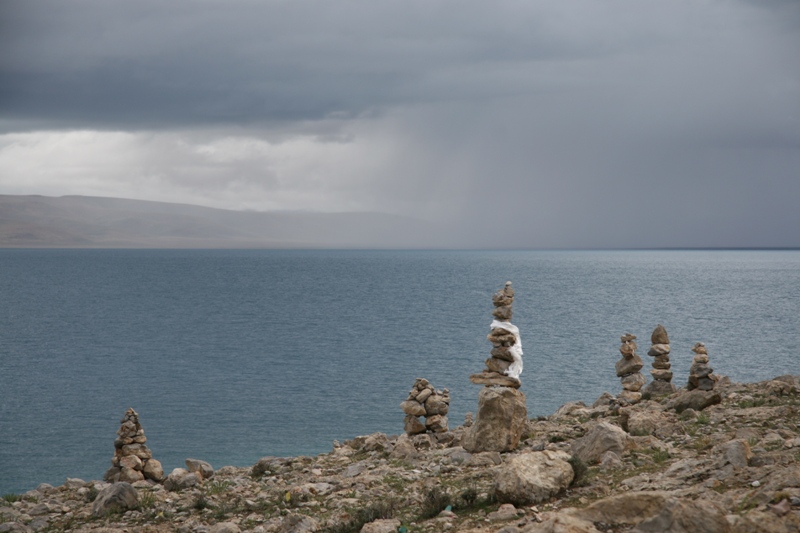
(95, 222)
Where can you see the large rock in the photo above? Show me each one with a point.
(116, 498)
(633, 382)
(153, 470)
(201, 468)
(686, 516)
(494, 379)
(696, 399)
(659, 387)
(627, 508)
(602, 438)
(382, 525)
(533, 477)
(180, 479)
(501, 419)
(561, 523)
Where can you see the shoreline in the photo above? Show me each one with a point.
(734, 465)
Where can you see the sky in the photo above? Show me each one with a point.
(512, 123)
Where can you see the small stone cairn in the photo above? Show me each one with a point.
(505, 364)
(700, 373)
(628, 370)
(133, 461)
(662, 375)
(424, 400)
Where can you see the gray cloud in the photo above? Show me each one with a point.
(516, 124)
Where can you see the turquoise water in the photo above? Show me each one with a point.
(232, 355)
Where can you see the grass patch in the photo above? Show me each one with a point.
(703, 419)
(380, 510)
(434, 502)
(218, 486)
(580, 470)
(147, 500)
(11, 498)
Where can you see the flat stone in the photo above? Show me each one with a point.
(492, 378)
(629, 365)
(658, 349)
(663, 375)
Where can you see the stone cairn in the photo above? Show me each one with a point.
(628, 370)
(133, 461)
(505, 364)
(502, 415)
(424, 400)
(700, 373)
(662, 375)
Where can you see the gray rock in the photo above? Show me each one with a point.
(501, 419)
(299, 524)
(633, 382)
(382, 525)
(695, 399)
(736, 453)
(201, 468)
(153, 470)
(686, 516)
(659, 335)
(659, 388)
(115, 498)
(602, 438)
(224, 527)
(530, 478)
(413, 426)
(413, 408)
(629, 365)
(180, 479)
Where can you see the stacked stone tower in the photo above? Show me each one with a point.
(662, 375)
(133, 461)
(628, 370)
(502, 414)
(505, 364)
(424, 400)
(700, 373)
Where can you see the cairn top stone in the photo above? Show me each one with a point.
(628, 337)
(659, 335)
(699, 347)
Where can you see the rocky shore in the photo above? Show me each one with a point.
(725, 460)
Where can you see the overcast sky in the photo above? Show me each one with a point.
(574, 123)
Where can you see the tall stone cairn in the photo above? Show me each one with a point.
(628, 370)
(424, 400)
(502, 415)
(662, 375)
(133, 461)
(505, 364)
(700, 373)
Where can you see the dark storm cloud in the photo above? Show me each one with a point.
(512, 123)
(121, 64)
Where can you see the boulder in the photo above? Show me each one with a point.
(224, 527)
(736, 452)
(436, 423)
(436, 405)
(129, 475)
(533, 477)
(382, 525)
(501, 419)
(180, 479)
(299, 524)
(659, 387)
(153, 470)
(627, 508)
(116, 498)
(561, 523)
(695, 399)
(686, 516)
(201, 468)
(602, 438)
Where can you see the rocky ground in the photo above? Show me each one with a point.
(661, 465)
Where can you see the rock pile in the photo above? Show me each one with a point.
(133, 461)
(505, 364)
(424, 400)
(662, 375)
(628, 370)
(700, 373)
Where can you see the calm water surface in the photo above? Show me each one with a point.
(232, 355)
